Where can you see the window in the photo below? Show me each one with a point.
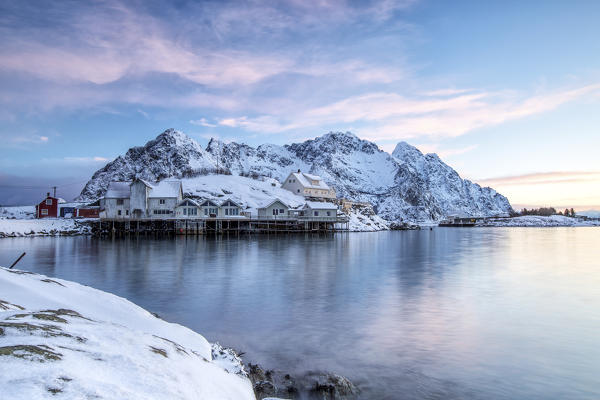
(206, 211)
(118, 212)
(290, 181)
(48, 202)
(161, 201)
(192, 211)
(316, 213)
(119, 202)
(281, 211)
(329, 213)
(44, 211)
(126, 212)
(274, 211)
(185, 211)
(298, 190)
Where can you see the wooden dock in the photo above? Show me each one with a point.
(216, 226)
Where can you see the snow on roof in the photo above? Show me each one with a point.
(118, 190)
(321, 205)
(165, 189)
(226, 200)
(306, 180)
(143, 181)
(194, 202)
(61, 200)
(273, 202)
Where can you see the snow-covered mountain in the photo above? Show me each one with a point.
(406, 185)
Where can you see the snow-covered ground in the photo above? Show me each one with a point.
(61, 338)
(19, 212)
(42, 227)
(536, 220)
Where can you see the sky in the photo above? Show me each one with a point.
(507, 93)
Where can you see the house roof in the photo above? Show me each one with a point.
(143, 181)
(208, 203)
(320, 205)
(165, 189)
(234, 202)
(118, 190)
(194, 202)
(305, 180)
(273, 202)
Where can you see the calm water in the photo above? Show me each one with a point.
(497, 313)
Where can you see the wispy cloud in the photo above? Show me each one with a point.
(542, 178)
(202, 122)
(391, 116)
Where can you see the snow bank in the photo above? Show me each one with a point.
(59, 337)
(42, 227)
(20, 212)
(538, 221)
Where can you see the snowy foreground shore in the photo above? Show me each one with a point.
(59, 337)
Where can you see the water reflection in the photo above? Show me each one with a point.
(475, 313)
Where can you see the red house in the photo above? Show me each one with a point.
(47, 208)
(87, 212)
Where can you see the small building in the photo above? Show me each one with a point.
(319, 209)
(308, 185)
(48, 208)
(163, 197)
(87, 212)
(115, 203)
(187, 208)
(209, 209)
(274, 209)
(230, 208)
(141, 199)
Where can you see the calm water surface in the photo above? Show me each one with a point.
(483, 313)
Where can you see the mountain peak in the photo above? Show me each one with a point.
(404, 151)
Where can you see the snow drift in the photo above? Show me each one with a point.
(59, 337)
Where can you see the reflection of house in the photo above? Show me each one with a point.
(275, 208)
(141, 199)
(319, 209)
(308, 185)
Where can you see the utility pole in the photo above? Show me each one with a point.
(54, 188)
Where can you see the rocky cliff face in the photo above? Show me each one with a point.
(406, 185)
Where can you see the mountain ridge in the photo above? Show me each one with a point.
(406, 185)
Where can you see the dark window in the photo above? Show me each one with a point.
(119, 202)
(48, 202)
(316, 213)
(126, 212)
(119, 212)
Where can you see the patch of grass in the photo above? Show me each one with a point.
(5, 305)
(43, 330)
(54, 390)
(156, 350)
(52, 281)
(16, 271)
(178, 347)
(39, 353)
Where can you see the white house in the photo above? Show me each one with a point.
(275, 208)
(187, 208)
(319, 209)
(141, 199)
(115, 203)
(230, 208)
(209, 209)
(308, 185)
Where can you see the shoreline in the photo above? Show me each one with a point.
(50, 339)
